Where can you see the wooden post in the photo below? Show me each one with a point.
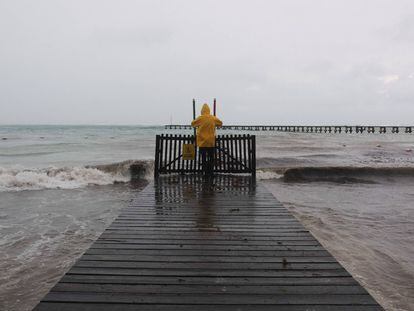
(194, 110)
(180, 164)
(157, 155)
(195, 131)
(253, 157)
(165, 151)
(175, 153)
(214, 107)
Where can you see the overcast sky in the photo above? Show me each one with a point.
(271, 62)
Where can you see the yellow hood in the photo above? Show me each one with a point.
(205, 110)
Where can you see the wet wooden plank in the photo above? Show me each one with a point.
(281, 239)
(70, 306)
(133, 254)
(194, 259)
(182, 245)
(209, 273)
(267, 243)
(196, 280)
(211, 289)
(163, 265)
(117, 245)
(192, 231)
(203, 299)
(202, 234)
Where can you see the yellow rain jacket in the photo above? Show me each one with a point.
(206, 128)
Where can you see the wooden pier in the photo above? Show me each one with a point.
(183, 244)
(309, 129)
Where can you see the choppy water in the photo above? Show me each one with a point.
(60, 186)
(369, 228)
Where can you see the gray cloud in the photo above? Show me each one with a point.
(140, 62)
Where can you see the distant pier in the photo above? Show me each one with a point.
(308, 129)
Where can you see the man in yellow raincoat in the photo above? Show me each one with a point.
(206, 137)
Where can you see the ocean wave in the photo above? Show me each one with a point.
(263, 174)
(27, 154)
(134, 169)
(351, 174)
(18, 179)
(268, 162)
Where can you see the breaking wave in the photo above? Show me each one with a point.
(266, 174)
(347, 174)
(18, 179)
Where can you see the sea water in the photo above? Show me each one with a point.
(61, 186)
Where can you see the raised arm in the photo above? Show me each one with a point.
(196, 122)
(218, 122)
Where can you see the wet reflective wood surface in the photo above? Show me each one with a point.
(187, 243)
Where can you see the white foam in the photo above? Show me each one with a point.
(17, 179)
(267, 174)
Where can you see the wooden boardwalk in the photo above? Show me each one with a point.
(184, 245)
